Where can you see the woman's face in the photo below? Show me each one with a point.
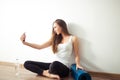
(57, 28)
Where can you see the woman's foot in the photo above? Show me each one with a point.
(47, 74)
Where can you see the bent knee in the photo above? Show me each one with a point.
(55, 63)
(26, 63)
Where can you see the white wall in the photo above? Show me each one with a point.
(95, 22)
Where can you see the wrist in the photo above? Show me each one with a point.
(77, 64)
(23, 41)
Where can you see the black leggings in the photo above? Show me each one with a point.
(54, 68)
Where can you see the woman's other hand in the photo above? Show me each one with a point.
(79, 67)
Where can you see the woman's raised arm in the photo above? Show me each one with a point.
(33, 45)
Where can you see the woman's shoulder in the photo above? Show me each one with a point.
(74, 38)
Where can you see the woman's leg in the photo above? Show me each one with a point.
(36, 67)
(59, 69)
(40, 68)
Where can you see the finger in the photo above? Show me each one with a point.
(77, 68)
(80, 68)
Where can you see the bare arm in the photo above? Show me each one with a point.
(76, 51)
(33, 45)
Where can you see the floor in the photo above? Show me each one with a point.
(9, 73)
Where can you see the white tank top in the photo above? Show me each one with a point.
(65, 53)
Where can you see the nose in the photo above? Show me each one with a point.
(55, 31)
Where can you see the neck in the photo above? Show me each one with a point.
(64, 35)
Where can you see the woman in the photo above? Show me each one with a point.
(64, 46)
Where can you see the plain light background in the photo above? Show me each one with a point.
(95, 22)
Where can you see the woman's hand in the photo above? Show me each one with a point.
(79, 67)
(23, 37)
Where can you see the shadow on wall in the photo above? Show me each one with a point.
(87, 56)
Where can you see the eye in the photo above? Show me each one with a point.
(55, 27)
